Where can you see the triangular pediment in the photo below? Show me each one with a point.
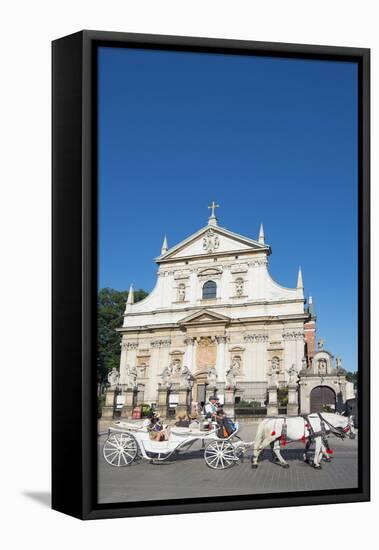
(205, 316)
(212, 240)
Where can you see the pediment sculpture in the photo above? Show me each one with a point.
(113, 377)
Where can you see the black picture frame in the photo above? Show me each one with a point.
(74, 205)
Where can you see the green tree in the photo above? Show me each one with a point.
(110, 310)
(352, 377)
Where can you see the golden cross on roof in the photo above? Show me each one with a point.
(213, 206)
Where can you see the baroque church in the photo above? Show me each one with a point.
(216, 321)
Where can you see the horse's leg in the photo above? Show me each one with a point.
(257, 451)
(307, 447)
(318, 453)
(259, 444)
(324, 454)
(275, 446)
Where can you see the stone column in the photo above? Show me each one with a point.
(272, 407)
(128, 406)
(182, 408)
(189, 353)
(229, 402)
(293, 400)
(220, 359)
(162, 401)
(110, 403)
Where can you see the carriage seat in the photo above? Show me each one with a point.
(189, 432)
(133, 427)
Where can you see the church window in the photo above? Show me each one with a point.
(209, 290)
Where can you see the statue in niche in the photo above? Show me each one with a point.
(239, 286)
(322, 366)
(142, 369)
(131, 374)
(113, 377)
(292, 375)
(212, 376)
(275, 364)
(181, 292)
(176, 366)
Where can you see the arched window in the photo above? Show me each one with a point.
(209, 290)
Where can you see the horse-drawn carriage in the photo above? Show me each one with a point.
(128, 442)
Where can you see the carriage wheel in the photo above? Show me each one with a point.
(219, 455)
(120, 449)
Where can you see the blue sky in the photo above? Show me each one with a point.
(271, 140)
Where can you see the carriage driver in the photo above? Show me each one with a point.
(210, 409)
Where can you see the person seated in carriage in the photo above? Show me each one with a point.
(183, 421)
(225, 424)
(157, 431)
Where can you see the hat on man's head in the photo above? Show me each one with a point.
(213, 398)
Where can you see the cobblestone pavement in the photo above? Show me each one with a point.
(188, 476)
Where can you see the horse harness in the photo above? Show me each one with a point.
(324, 431)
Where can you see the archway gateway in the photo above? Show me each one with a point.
(322, 396)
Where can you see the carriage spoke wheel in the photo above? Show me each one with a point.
(219, 455)
(120, 449)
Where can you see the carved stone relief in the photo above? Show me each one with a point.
(255, 338)
(211, 241)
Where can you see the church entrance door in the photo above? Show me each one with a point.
(321, 397)
(201, 393)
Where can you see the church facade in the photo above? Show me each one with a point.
(215, 321)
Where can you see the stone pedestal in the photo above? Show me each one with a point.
(129, 404)
(182, 408)
(293, 401)
(229, 402)
(272, 406)
(162, 402)
(110, 403)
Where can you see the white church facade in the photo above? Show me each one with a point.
(215, 321)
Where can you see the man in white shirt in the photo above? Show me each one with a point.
(210, 408)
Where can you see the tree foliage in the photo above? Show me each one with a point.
(352, 377)
(110, 310)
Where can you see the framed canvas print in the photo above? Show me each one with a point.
(210, 274)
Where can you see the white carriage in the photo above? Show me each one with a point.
(127, 442)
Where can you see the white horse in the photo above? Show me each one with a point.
(305, 429)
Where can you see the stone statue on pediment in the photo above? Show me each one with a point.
(166, 375)
(186, 377)
(233, 372)
(113, 377)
